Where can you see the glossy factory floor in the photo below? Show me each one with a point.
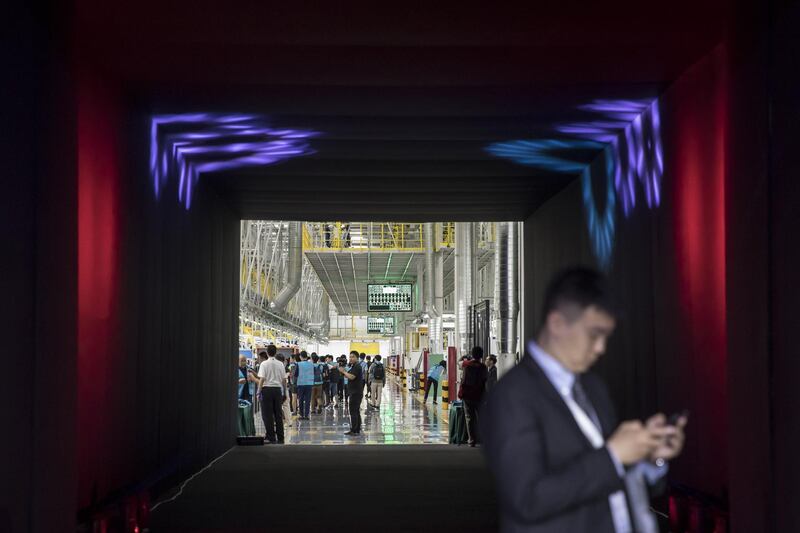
(402, 419)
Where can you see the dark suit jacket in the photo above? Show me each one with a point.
(549, 477)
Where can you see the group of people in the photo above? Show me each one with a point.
(307, 384)
(436, 372)
(477, 378)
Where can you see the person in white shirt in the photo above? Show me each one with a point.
(272, 382)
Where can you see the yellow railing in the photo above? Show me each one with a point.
(446, 231)
(363, 236)
(384, 236)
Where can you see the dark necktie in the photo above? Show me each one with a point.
(579, 395)
(639, 506)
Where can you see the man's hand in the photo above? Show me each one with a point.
(671, 443)
(632, 442)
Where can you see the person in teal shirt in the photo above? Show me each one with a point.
(434, 376)
(305, 384)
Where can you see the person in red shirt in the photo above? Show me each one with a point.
(473, 384)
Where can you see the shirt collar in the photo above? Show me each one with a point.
(561, 378)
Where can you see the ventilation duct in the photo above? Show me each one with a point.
(434, 320)
(324, 326)
(435, 334)
(430, 266)
(294, 265)
(465, 282)
(506, 297)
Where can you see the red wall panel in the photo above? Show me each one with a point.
(100, 425)
(696, 107)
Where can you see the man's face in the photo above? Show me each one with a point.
(353, 359)
(581, 341)
(242, 361)
(489, 363)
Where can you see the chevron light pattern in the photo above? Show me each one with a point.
(184, 146)
(629, 134)
(633, 130)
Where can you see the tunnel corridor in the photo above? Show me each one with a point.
(653, 143)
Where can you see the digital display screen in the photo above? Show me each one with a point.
(392, 297)
(380, 324)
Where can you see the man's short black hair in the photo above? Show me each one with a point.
(477, 352)
(492, 358)
(377, 357)
(272, 350)
(263, 354)
(314, 357)
(304, 354)
(368, 358)
(354, 352)
(573, 290)
(363, 355)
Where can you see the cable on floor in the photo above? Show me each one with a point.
(183, 485)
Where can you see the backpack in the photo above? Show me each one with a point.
(333, 375)
(325, 372)
(379, 373)
(317, 374)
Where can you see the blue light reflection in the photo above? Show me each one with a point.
(629, 135)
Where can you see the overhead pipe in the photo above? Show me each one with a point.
(323, 326)
(430, 237)
(294, 264)
(506, 297)
(465, 282)
(434, 318)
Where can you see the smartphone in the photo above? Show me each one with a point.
(674, 417)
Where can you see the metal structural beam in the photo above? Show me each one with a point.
(265, 273)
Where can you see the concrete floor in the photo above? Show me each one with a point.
(330, 488)
(323, 481)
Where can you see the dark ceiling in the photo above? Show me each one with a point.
(405, 98)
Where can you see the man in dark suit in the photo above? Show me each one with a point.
(561, 462)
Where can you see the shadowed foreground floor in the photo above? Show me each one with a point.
(337, 488)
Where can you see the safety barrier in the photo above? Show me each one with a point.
(421, 382)
(445, 395)
(363, 236)
(447, 235)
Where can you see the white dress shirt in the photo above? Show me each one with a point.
(272, 372)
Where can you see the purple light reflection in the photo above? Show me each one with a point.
(633, 129)
(193, 140)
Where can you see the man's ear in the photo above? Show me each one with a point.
(556, 322)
